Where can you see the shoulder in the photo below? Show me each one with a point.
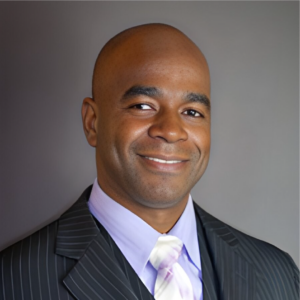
(23, 264)
(268, 260)
(31, 269)
(212, 224)
(44, 239)
(29, 250)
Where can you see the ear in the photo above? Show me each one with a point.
(89, 118)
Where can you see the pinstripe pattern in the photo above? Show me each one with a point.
(137, 285)
(209, 279)
(74, 258)
(247, 268)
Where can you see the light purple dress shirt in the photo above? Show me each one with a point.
(136, 238)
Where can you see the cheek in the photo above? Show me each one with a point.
(201, 139)
(127, 133)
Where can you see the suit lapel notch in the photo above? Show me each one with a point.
(236, 275)
(76, 229)
(97, 275)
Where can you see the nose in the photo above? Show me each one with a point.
(168, 126)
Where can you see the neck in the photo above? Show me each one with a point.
(160, 219)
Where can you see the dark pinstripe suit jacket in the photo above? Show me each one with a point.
(74, 258)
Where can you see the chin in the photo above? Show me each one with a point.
(160, 198)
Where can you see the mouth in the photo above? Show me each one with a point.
(163, 161)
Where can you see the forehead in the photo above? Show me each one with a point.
(175, 64)
(162, 71)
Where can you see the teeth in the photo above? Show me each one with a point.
(164, 161)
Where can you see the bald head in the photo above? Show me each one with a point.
(143, 44)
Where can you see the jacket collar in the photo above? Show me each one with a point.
(76, 228)
(231, 274)
(226, 273)
(101, 270)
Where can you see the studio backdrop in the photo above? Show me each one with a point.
(47, 54)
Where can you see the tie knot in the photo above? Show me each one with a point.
(165, 252)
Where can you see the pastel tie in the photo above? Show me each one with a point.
(172, 283)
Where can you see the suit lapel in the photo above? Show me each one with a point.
(102, 272)
(98, 273)
(137, 285)
(76, 229)
(209, 280)
(234, 275)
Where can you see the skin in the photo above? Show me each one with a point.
(148, 88)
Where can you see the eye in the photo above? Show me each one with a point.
(193, 113)
(141, 106)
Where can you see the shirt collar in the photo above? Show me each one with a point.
(135, 237)
(186, 230)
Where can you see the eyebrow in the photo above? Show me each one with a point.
(138, 90)
(199, 98)
(150, 91)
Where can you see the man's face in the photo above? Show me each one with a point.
(153, 128)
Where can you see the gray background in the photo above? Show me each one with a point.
(46, 62)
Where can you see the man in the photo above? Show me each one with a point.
(149, 121)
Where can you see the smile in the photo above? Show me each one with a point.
(162, 161)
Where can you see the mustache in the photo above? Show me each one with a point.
(162, 148)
